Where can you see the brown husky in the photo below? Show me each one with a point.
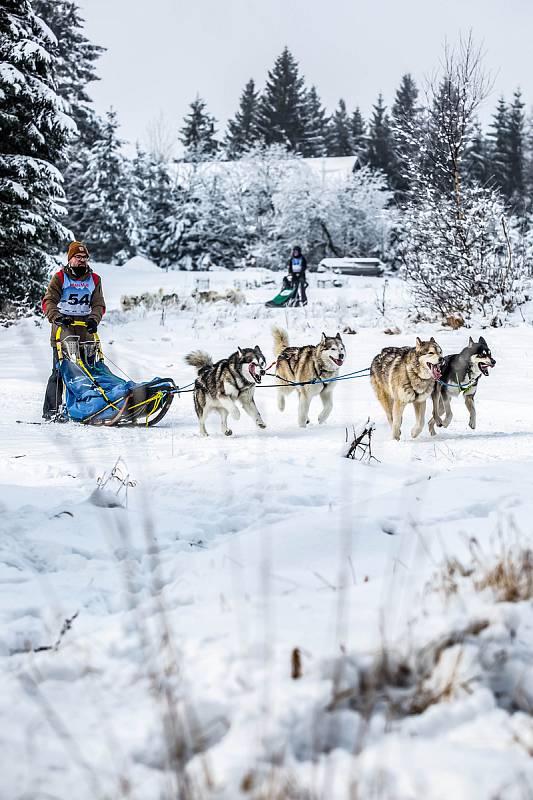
(403, 375)
(310, 363)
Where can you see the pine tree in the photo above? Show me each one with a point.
(198, 133)
(74, 69)
(380, 142)
(358, 127)
(282, 106)
(103, 214)
(405, 103)
(528, 160)
(74, 62)
(515, 153)
(498, 146)
(404, 120)
(243, 130)
(142, 182)
(159, 212)
(477, 160)
(315, 143)
(340, 140)
(34, 130)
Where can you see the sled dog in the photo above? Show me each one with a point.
(403, 375)
(460, 375)
(219, 386)
(313, 362)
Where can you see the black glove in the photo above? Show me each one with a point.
(63, 321)
(92, 326)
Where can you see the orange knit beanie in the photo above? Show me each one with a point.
(77, 249)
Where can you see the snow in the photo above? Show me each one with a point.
(224, 554)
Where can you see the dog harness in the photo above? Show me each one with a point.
(76, 296)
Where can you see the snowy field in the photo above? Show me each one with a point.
(194, 588)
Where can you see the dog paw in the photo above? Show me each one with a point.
(472, 425)
(415, 432)
(228, 432)
(261, 424)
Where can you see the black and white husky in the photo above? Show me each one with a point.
(460, 375)
(219, 386)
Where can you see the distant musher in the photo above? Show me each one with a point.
(297, 266)
(74, 295)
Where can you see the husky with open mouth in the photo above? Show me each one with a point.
(460, 375)
(403, 375)
(220, 386)
(318, 363)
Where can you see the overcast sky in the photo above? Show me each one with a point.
(161, 53)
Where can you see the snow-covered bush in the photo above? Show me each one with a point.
(259, 206)
(467, 263)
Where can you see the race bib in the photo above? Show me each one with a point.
(76, 297)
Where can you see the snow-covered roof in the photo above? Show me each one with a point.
(328, 169)
(348, 262)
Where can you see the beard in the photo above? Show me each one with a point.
(78, 272)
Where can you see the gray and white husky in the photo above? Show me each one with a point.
(460, 375)
(313, 365)
(219, 386)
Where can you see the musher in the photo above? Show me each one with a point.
(74, 294)
(297, 266)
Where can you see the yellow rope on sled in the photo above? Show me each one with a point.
(157, 397)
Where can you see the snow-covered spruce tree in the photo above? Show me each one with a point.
(34, 130)
(243, 129)
(74, 62)
(380, 142)
(515, 151)
(103, 213)
(160, 210)
(498, 141)
(220, 235)
(358, 127)
(315, 143)
(143, 169)
(454, 246)
(340, 139)
(198, 133)
(282, 107)
(477, 158)
(405, 112)
(528, 158)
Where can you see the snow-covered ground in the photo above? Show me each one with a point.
(193, 590)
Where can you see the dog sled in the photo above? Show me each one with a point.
(287, 296)
(96, 396)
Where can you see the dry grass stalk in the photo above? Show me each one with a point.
(509, 575)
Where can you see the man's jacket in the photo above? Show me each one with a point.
(79, 298)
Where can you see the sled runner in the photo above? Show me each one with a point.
(287, 295)
(95, 396)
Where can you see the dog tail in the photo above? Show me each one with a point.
(281, 339)
(199, 359)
